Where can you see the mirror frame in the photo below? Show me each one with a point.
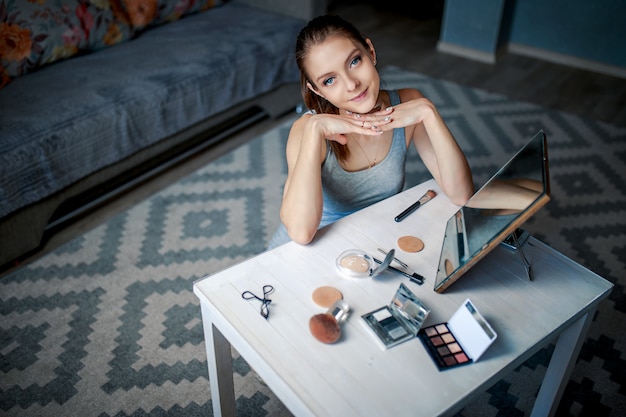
(524, 215)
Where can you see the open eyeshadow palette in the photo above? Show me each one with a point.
(399, 321)
(460, 341)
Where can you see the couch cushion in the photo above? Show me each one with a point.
(71, 119)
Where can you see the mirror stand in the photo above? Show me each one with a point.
(527, 266)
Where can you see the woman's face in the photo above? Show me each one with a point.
(344, 74)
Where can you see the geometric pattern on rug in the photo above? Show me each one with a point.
(108, 325)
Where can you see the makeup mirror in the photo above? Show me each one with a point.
(509, 198)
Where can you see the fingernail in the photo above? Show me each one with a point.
(374, 127)
(387, 118)
(348, 112)
(388, 108)
(357, 115)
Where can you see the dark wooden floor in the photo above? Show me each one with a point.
(408, 40)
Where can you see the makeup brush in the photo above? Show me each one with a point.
(430, 194)
(324, 327)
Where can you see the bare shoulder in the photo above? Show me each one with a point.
(295, 132)
(296, 136)
(298, 126)
(301, 121)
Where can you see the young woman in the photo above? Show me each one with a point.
(349, 150)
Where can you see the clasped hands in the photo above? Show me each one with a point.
(377, 122)
(373, 120)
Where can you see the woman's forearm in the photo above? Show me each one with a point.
(455, 177)
(301, 209)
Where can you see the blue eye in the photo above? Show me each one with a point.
(355, 61)
(329, 81)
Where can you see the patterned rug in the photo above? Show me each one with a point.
(107, 325)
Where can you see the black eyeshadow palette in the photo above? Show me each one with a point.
(461, 341)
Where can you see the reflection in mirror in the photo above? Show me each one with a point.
(509, 198)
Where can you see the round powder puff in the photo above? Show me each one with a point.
(326, 296)
(410, 244)
(324, 328)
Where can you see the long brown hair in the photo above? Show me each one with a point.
(314, 33)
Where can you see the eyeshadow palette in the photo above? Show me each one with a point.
(399, 321)
(443, 346)
(461, 341)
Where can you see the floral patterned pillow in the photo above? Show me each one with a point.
(34, 33)
(145, 13)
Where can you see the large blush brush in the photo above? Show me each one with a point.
(325, 327)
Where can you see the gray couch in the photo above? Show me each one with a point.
(78, 131)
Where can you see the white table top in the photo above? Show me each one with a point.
(357, 377)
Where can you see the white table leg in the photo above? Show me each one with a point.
(220, 366)
(560, 368)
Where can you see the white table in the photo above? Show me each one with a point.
(355, 376)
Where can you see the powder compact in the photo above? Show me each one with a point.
(355, 263)
(399, 321)
(460, 341)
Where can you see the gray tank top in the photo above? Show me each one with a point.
(346, 192)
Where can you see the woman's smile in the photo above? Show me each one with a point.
(360, 97)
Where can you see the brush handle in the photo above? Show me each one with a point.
(408, 211)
